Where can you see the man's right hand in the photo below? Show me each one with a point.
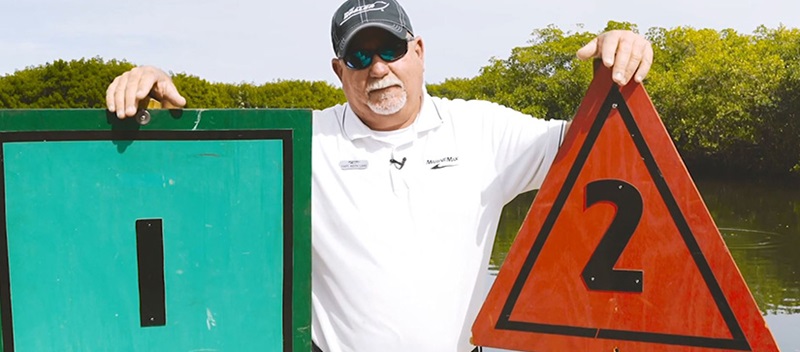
(129, 89)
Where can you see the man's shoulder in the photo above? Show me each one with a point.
(468, 105)
(471, 108)
(329, 111)
(329, 117)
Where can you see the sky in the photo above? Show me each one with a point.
(259, 41)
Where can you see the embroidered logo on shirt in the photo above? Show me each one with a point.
(442, 163)
(353, 164)
(440, 166)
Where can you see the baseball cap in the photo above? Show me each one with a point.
(355, 15)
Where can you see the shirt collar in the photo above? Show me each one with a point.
(427, 120)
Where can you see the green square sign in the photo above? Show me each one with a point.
(189, 234)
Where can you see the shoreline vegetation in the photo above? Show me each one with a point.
(729, 100)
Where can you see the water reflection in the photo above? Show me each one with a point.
(760, 223)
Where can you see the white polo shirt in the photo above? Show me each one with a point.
(400, 250)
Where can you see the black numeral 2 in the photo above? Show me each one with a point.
(599, 273)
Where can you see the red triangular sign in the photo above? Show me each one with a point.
(618, 251)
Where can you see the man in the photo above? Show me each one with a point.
(407, 189)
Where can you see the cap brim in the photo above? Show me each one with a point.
(398, 32)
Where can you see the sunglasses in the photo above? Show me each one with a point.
(389, 52)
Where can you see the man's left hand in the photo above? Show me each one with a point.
(629, 55)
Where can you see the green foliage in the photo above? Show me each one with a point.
(730, 100)
(61, 84)
(200, 94)
(82, 84)
(277, 95)
(710, 93)
(454, 88)
(612, 25)
(780, 134)
(291, 94)
(544, 79)
(723, 96)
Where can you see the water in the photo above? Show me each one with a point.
(760, 223)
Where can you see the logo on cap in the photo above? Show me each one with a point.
(364, 9)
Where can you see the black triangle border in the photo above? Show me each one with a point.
(613, 100)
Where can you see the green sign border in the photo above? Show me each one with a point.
(293, 125)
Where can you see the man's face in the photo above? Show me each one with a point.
(385, 95)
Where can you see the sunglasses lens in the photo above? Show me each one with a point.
(394, 52)
(358, 59)
(361, 59)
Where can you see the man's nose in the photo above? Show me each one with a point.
(379, 67)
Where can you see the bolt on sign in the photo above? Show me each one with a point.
(619, 252)
(181, 231)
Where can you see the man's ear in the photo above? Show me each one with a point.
(336, 64)
(419, 49)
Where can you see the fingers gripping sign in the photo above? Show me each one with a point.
(629, 55)
(131, 90)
